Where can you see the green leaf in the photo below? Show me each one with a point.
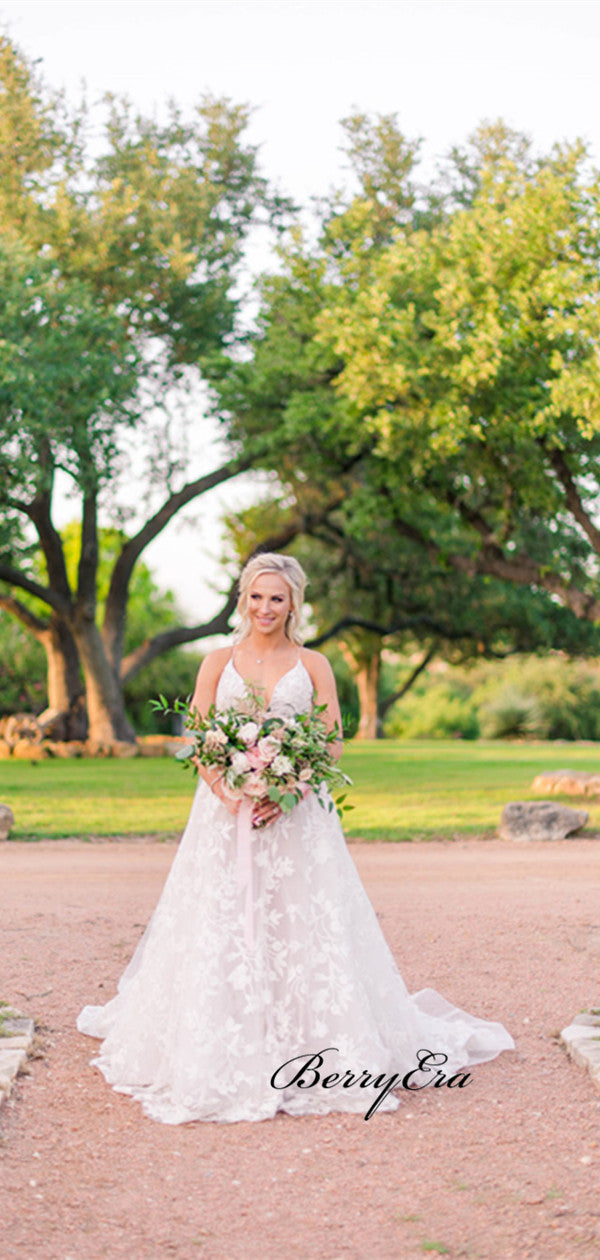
(185, 752)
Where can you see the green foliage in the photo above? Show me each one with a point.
(428, 363)
(439, 711)
(114, 266)
(23, 688)
(562, 697)
(346, 689)
(470, 352)
(68, 377)
(150, 610)
(512, 715)
(520, 698)
(174, 675)
(119, 270)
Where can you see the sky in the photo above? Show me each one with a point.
(303, 65)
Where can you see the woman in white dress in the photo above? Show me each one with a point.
(310, 1014)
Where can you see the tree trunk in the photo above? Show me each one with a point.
(64, 681)
(366, 667)
(367, 682)
(105, 705)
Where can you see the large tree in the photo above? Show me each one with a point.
(118, 274)
(150, 611)
(430, 358)
(471, 353)
(373, 594)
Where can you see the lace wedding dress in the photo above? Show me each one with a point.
(201, 1022)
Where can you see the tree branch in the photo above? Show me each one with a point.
(491, 561)
(23, 614)
(147, 652)
(40, 513)
(573, 498)
(54, 600)
(404, 623)
(116, 603)
(219, 624)
(410, 681)
(88, 558)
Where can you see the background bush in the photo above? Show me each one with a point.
(435, 709)
(523, 697)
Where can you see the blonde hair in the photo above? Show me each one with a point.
(285, 567)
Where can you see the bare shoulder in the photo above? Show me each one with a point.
(317, 665)
(219, 656)
(214, 662)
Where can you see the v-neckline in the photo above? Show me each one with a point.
(246, 681)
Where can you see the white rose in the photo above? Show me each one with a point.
(239, 763)
(305, 774)
(248, 732)
(214, 740)
(282, 765)
(268, 748)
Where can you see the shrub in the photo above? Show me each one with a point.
(439, 711)
(512, 714)
(558, 699)
(522, 697)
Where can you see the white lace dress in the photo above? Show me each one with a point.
(201, 1022)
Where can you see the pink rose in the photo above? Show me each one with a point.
(256, 786)
(256, 759)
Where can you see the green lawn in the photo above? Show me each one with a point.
(426, 789)
(413, 790)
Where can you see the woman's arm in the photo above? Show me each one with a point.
(204, 696)
(326, 693)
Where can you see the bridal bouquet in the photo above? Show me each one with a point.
(262, 756)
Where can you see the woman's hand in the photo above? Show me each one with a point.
(215, 784)
(231, 805)
(265, 812)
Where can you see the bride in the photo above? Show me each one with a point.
(311, 1015)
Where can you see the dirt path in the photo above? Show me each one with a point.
(508, 1167)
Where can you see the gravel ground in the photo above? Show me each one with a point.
(507, 1167)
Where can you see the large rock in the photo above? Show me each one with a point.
(25, 750)
(540, 820)
(64, 748)
(152, 745)
(7, 820)
(122, 748)
(175, 742)
(97, 748)
(567, 783)
(19, 727)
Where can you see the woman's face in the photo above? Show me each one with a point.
(269, 603)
